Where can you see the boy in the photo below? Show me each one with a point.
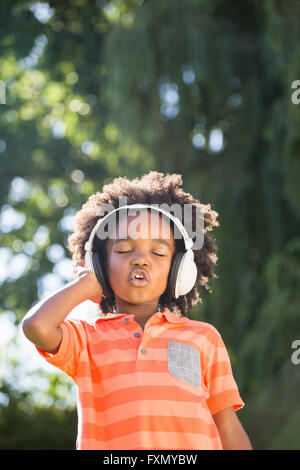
(148, 377)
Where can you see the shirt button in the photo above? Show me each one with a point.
(143, 351)
(126, 320)
(137, 335)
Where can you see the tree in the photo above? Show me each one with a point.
(99, 89)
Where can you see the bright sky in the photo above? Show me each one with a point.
(14, 345)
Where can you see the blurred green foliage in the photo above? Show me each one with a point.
(99, 89)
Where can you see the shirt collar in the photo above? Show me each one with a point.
(164, 313)
(170, 316)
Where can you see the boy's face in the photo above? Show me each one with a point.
(145, 252)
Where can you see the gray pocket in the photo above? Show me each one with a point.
(184, 363)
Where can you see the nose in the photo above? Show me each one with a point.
(140, 260)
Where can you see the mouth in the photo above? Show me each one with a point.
(138, 278)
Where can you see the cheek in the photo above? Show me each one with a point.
(117, 272)
(116, 278)
(113, 269)
(161, 271)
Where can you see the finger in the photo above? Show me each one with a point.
(77, 263)
(76, 269)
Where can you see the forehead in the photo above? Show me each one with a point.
(146, 224)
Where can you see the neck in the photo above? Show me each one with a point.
(142, 312)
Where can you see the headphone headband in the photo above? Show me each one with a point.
(188, 242)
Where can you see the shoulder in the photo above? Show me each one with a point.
(203, 329)
(202, 335)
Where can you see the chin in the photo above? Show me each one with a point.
(138, 299)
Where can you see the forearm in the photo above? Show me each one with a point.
(231, 431)
(235, 439)
(41, 324)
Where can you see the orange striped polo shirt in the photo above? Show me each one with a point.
(155, 388)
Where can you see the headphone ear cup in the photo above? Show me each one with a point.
(173, 274)
(101, 275)
(187, 274)
(183, 274)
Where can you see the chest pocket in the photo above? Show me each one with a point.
(184, 363)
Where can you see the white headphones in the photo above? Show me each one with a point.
(183, 271)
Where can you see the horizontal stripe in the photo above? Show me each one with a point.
(151, 393)
(110, 344)
(130, 351)
(222, 384)
(145, 407)
(113, 369)
(219, 368)
(112, 335)
(123, 383)
(151, 424)
(155, 440)
(225, 400)
(103, 343)
(106, 371)
(127, 354)
(105, 351)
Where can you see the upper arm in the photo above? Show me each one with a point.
(226, 419)
(218, 376)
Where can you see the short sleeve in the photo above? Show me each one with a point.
(218, 376)
(74, 340)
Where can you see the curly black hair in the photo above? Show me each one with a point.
(151, 188)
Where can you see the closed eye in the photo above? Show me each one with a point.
(157, 254)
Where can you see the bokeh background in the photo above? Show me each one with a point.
(100, 89)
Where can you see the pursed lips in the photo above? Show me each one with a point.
(139, 271)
